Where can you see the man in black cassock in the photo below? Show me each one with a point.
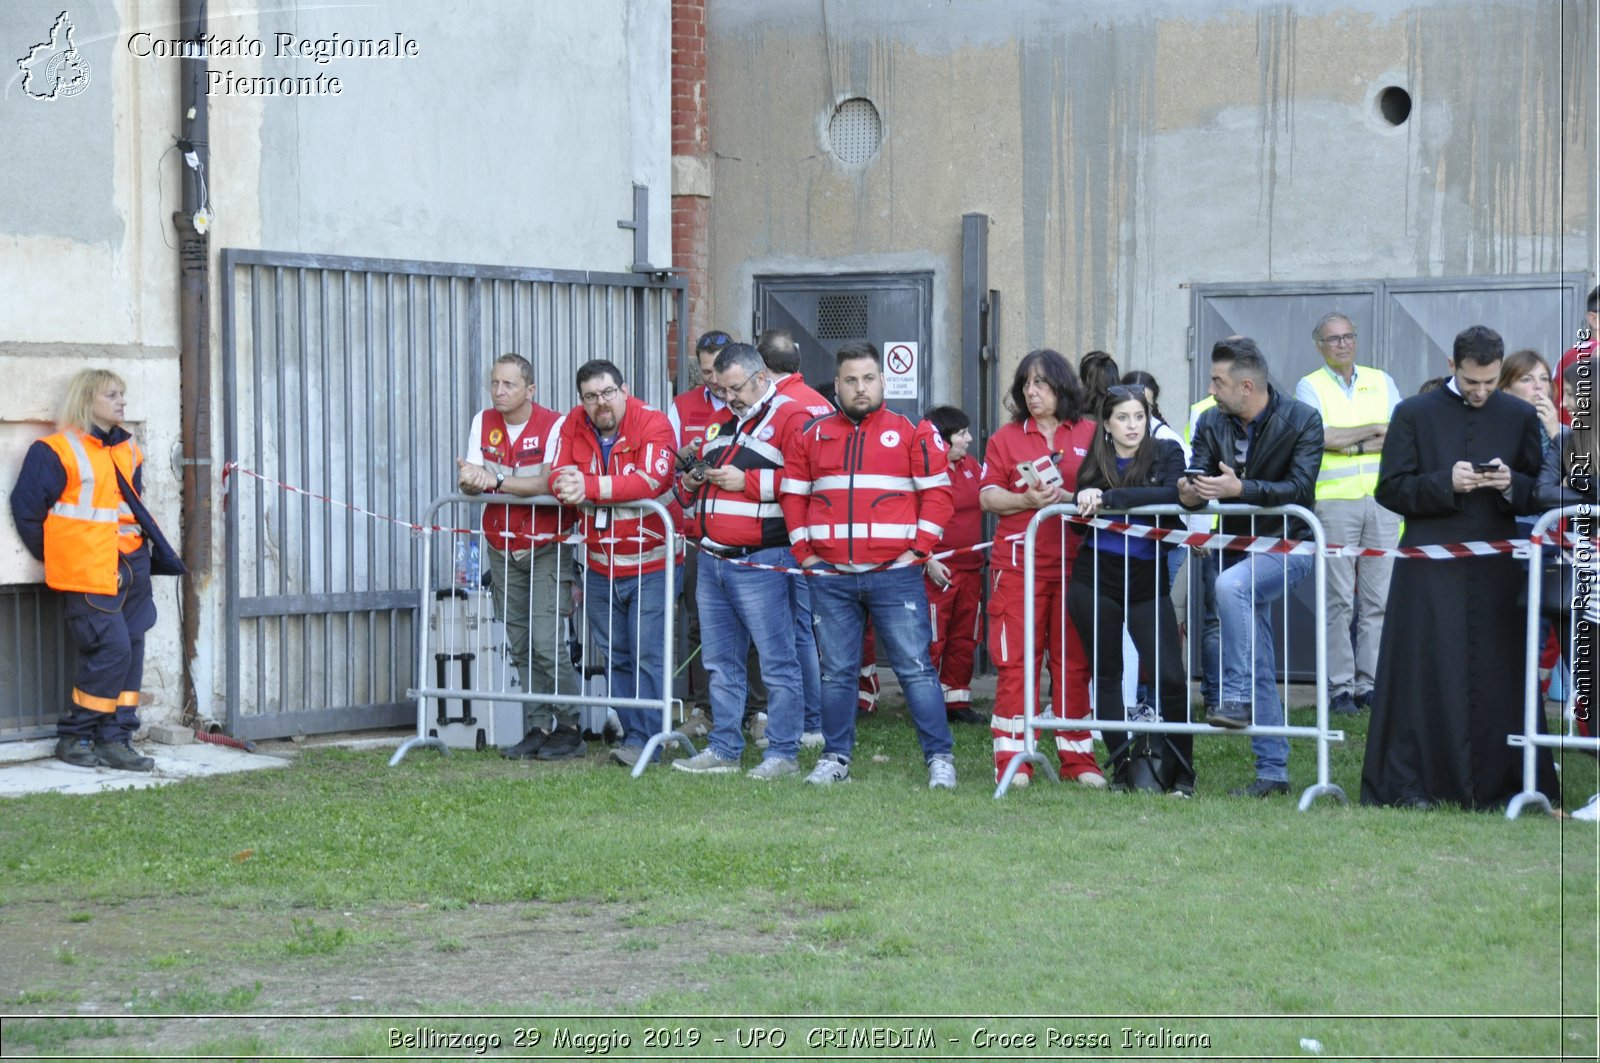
(1450, 664)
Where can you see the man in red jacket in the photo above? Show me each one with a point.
(744, 595)
(531, 573)
(866, 495)
(782, 357)
(614, 449)
(692, 412)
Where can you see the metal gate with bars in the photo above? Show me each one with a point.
(354, 380)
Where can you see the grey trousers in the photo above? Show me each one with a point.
(532, 595)
(1356, 587)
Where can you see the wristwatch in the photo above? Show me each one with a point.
(919, 553)
(499, 481)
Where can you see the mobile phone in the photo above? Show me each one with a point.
(1040, 472)
(1484, 466)
(1190, 474)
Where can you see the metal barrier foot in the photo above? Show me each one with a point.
(1526, 798)
(1311, 793)
(1036, 759)
(647, 755)
(412, 743)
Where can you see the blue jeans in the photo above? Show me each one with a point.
(898, 605)
(805, 648)
(1246, 592)
(627, 615)
(1210, 626)
(739, 605)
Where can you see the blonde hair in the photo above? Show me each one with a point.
(78, 406)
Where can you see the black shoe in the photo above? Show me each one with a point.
(1364, 700)
(1344, 705)
(121, 755)
(1234, 715)
(1261, 788)
(1417, 804)
(968, 716)
(529, 747)
(79, 752)
(564, 743)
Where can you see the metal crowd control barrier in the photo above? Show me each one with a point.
(1034, 721)
(1585, 586)
(473, 692)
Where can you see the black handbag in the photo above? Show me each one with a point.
(1555, 588)
(1149, 764)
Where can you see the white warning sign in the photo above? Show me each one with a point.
(900, 371)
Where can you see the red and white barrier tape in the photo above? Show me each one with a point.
(234, 467)
(1254, 544)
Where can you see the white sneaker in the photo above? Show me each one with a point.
(812, 740)
(1021, 781)
(1589, 812)
(697, 724)
(1092, 780)
(758, 730)
(707, 762)
(831, 768)
(941, 772)
(773, 768)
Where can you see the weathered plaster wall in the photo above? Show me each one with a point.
(83, 241)
(1124, 151)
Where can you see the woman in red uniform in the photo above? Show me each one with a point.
(1029, 464)
(78, 509)
(955, 583)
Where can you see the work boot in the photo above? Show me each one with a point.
(564, 743)
(1234, 715)
(529, 747)
(79, 752)
(121, 755)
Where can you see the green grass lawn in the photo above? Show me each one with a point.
(1244, 921)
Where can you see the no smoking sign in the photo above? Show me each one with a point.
(900, 371)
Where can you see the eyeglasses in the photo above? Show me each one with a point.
(1343, 339)
(595, 398)
(712, 341)
(1127, 391)
(738, 389)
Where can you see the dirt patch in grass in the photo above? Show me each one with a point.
(157, 957)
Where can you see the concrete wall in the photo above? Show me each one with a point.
(513, 135)
(1125, 151)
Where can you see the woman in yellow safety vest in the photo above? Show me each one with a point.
(77, 507)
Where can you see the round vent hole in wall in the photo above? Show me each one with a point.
(1394, 104)
(855, 131)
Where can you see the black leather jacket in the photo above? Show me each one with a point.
(1557, 486)
(1280, 467)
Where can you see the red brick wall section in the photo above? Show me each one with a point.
(691, 138)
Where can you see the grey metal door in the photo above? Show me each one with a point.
(826, 311)
(1405, 327)
(349, 385)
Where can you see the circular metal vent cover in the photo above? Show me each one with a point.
(855, 131)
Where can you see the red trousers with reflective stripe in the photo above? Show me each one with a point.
(1058, 653)
(954, 612)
